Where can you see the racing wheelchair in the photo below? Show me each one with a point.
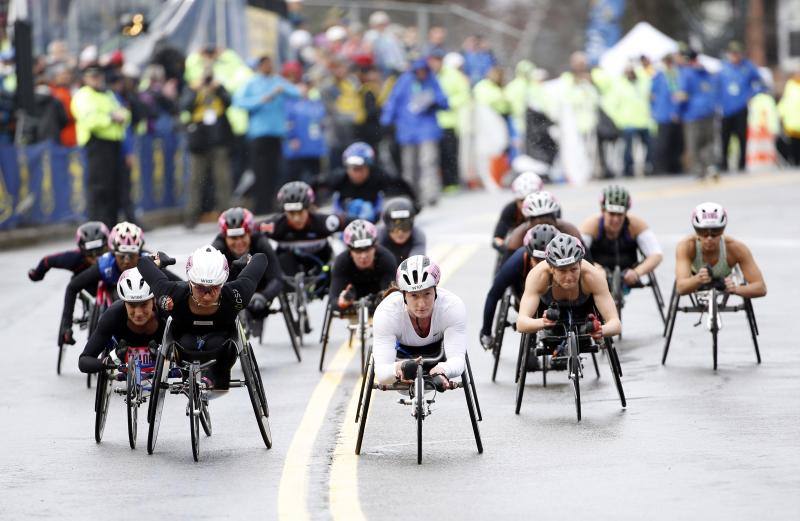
(93, 307)
(561, 348)
(304, 287)
(420, 395)
(617, 287)
(87, 309)
(254, 327)
(501, 322)
(711, 300)
(135, 368)
(177, 373)
(359, 323)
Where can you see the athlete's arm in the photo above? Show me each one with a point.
(648, 244)
(419, 244)
(505, 222)
(384, 341)
(597, 284)
(87, 279)
(155, 277)
(589, 230)
(273, 272)
(66, 260)
(755, 286)
(535, 286)
(685, 282)
(454, 341)
(247, 281)
(98, 341)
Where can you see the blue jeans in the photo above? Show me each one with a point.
(628, 134)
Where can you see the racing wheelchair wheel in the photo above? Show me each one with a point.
(575, 371)
(616, 370)
(193, 408)
(472, 407)
(133, 396)
(522, 371)
(370, 382)
(255, 390)
(294, 335)
(419, 409)
(102, 399)
(499, 330)
(157, 395)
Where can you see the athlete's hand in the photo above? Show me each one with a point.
(631, 278)
(35, 275)
(440, 380)
(66, 336)
(703, 276)
(405, 370)
(258, 303)
(731, 286)
(597, 327)
(346, 297)
(486, 341)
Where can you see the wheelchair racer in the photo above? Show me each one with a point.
(92, 239)
(238, 237)
(204, 308)
(125, 243)
(709, 255)
(397, 233)
(366, 268)
(513, 274)
(577, 288)
(615, 238)
(131, 321)
(359, 191)
(418, 319)
(511, 216)
(300, 231)
(539, 208)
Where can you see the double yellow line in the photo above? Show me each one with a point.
(343, 481)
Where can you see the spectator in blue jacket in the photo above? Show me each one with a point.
(478, 58)
(411, 108)
(737, 82)
(666, 111)
(698, 99)
(305, 144)
(264, 98)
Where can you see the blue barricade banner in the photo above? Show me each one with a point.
(45, 183)
(603, 29)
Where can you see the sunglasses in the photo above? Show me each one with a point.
(205, 290)
(400, 225)
(125, 257)
(709, 232)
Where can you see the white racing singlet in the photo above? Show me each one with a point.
(392, 326)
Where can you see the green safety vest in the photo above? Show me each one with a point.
(92, 111)
(455, 86)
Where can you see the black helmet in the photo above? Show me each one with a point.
(92, 237)
(235, 222)
(537, 239)
(295, 196)
(564, 250)
(398, 213)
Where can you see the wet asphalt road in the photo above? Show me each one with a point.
(692, 443)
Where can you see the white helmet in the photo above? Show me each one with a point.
(417, 273)
(207, 266)
(538, 204)
(131, 287)
(709, 215)
(525, 184)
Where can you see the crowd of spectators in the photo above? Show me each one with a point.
(381, 84)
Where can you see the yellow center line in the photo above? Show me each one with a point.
(343, 482)
(293, 489)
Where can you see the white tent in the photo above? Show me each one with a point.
(644, 39)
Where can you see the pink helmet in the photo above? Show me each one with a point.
(126, 237)
(417, 273)
(360, 234)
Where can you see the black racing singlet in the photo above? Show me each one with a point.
(622, 251)
(579, 308)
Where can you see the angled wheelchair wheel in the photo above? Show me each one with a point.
(157, 396)
(714, 324)
(419, 391)
(472, 387)
(575, 372)
(672, 315)
(94, 318)
(132, 401)
(193, 410)
(363, 324)
(596, 369)
(522, 370)
(326, 326)
(363, 386)
(257, 396)
(751, 322)
(205, 416)
(474, 414)
(616, 370)
(659, 298)
(294, 336)
(499, 329)
(102, 398)
(362, 422)
(60, 357)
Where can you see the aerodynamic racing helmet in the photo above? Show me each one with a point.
(126, 237)
(358, 154)
(131, 287)
(295, 196)
(207, 266)
(564, 250)
(92, 237)
(539, 204)
(526, 183)
(537, 239)
(615, 199)
(709, 215)
(235, 222)
(417, 273)
(398, 213)
(360, 234)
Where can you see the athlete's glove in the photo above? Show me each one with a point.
(34, 275)
(65, 336)
(409, 369)
(258, 303)
(594, 327)
(487, 341)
